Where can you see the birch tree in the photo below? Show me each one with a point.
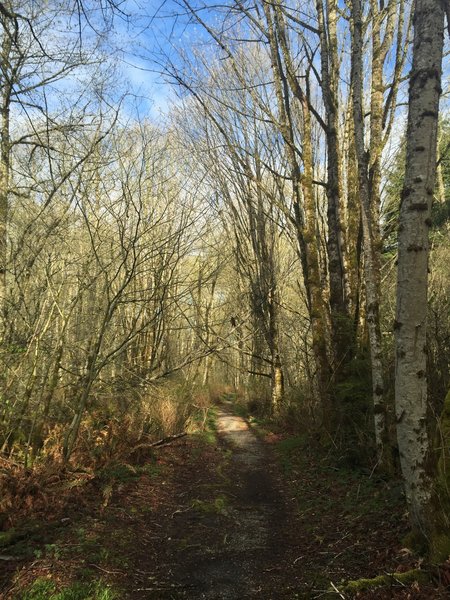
(413, 252)
(368, 161)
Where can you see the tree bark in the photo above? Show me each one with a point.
(303, 189)
(5, 150)
(413, 251)
(277, 385)
(341, 330)
(370, 226)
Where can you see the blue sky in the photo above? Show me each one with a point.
(154, 30)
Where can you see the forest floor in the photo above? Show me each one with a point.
(233, 514)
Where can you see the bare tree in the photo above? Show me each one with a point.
(368, 163)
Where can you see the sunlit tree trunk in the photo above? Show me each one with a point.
(353, 221)
(341, 329)
(5, 149)
(370, 225)
(305, 217)
(413, 251)
(277, 385)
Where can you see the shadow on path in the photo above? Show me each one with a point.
(228, 547)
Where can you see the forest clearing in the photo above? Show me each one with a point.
(224, 299)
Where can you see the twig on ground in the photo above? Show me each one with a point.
(341, 595)
(106, 571)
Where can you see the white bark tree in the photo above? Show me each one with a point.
(413, 252)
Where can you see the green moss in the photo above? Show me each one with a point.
(205, 430)
(290, 444)
(218, 505)
(289, 447)
(150, 469)
(38, 590)
(363, 585)
(119, 472)
(15, 537)
(440, 547)
(241, 410)
(352, 422)
(206, 437)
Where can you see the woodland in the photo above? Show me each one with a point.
(224, 299)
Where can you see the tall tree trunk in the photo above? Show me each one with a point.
(303, 190)
(353, 222)
(341, 330)
(380, 47)
(413, 251)
(369, 229)
(5, 150)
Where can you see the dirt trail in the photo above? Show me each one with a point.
(228, 546)
(222, 517)
(210, 523)
(234, 572)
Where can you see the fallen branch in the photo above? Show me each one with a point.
(162, 442)
(168, 440)
(108, 572)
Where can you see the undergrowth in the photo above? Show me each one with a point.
(114, 447)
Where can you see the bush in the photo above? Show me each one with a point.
(168, 407)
